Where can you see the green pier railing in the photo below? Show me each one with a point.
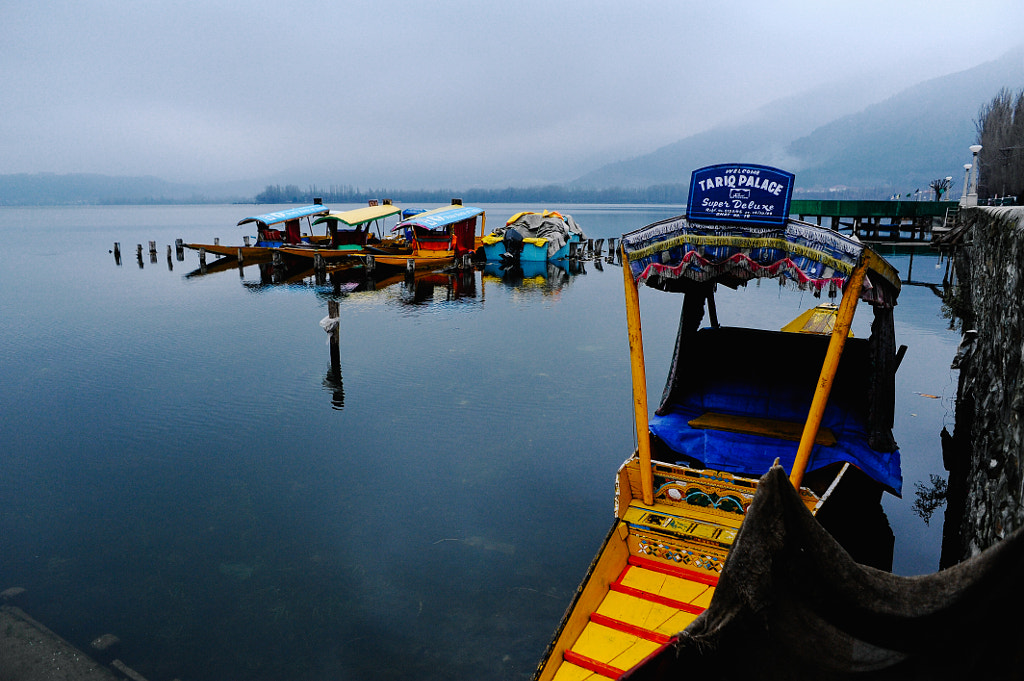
(879, 221)
(870, 209)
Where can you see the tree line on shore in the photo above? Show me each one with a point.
(290, 193)
(668, 194)
(1000, 127)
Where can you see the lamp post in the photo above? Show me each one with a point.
(972, 195)
(967, 176)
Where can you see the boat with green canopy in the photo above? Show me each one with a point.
(737, 400)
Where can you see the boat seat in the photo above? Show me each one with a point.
(751, 425)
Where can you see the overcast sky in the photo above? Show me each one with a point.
(397, 93)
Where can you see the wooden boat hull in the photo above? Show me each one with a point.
(248, 252)
(656, 571)
(421, 260)
(328, 254)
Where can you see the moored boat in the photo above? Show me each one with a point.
(433, 239)
(348, 233)
(269, 234)
(736, 401)
(532, 237)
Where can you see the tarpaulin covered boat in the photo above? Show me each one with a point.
(532, 237)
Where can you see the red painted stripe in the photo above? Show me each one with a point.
(655, 598)
(684, 573)
(627, 628)
(592, 665)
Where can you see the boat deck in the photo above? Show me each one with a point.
(656, 573)
(645, 606)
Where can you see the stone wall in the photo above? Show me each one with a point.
(985, 456)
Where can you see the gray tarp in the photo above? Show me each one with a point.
(535, 226)
(792, 604)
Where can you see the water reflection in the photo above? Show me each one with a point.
(543, 277)
(416, 288)
(332, 381)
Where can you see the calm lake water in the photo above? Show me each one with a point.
(184, 468)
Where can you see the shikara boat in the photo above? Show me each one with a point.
(737, 400)
(269, 235)
(348, 233)
(433, 239)
(532, 237)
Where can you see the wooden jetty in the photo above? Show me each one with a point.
(908, 222)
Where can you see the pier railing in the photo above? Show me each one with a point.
(878, 221)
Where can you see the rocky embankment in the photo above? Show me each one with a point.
(985, 455)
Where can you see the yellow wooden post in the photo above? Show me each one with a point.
(840, 332)
(636, 357)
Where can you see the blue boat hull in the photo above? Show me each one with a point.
(531, 252)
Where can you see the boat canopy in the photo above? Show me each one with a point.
(668, 254)
(359, 216)
(285, 215)
(691, 257)
(440, 217)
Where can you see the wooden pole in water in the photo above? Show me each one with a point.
(840, 332)
(636, 357)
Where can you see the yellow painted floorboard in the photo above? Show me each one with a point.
(612, 647)
(642, 613)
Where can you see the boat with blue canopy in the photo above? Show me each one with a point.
(273, 230)
(434, 238)
(806, 395)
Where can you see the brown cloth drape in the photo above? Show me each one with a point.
(792, 604)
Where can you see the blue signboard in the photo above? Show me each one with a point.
(741, 193)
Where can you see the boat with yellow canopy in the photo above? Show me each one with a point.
(348, 231)
(737, 401)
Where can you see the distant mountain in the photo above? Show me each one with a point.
(81, 188)
(899, 144)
